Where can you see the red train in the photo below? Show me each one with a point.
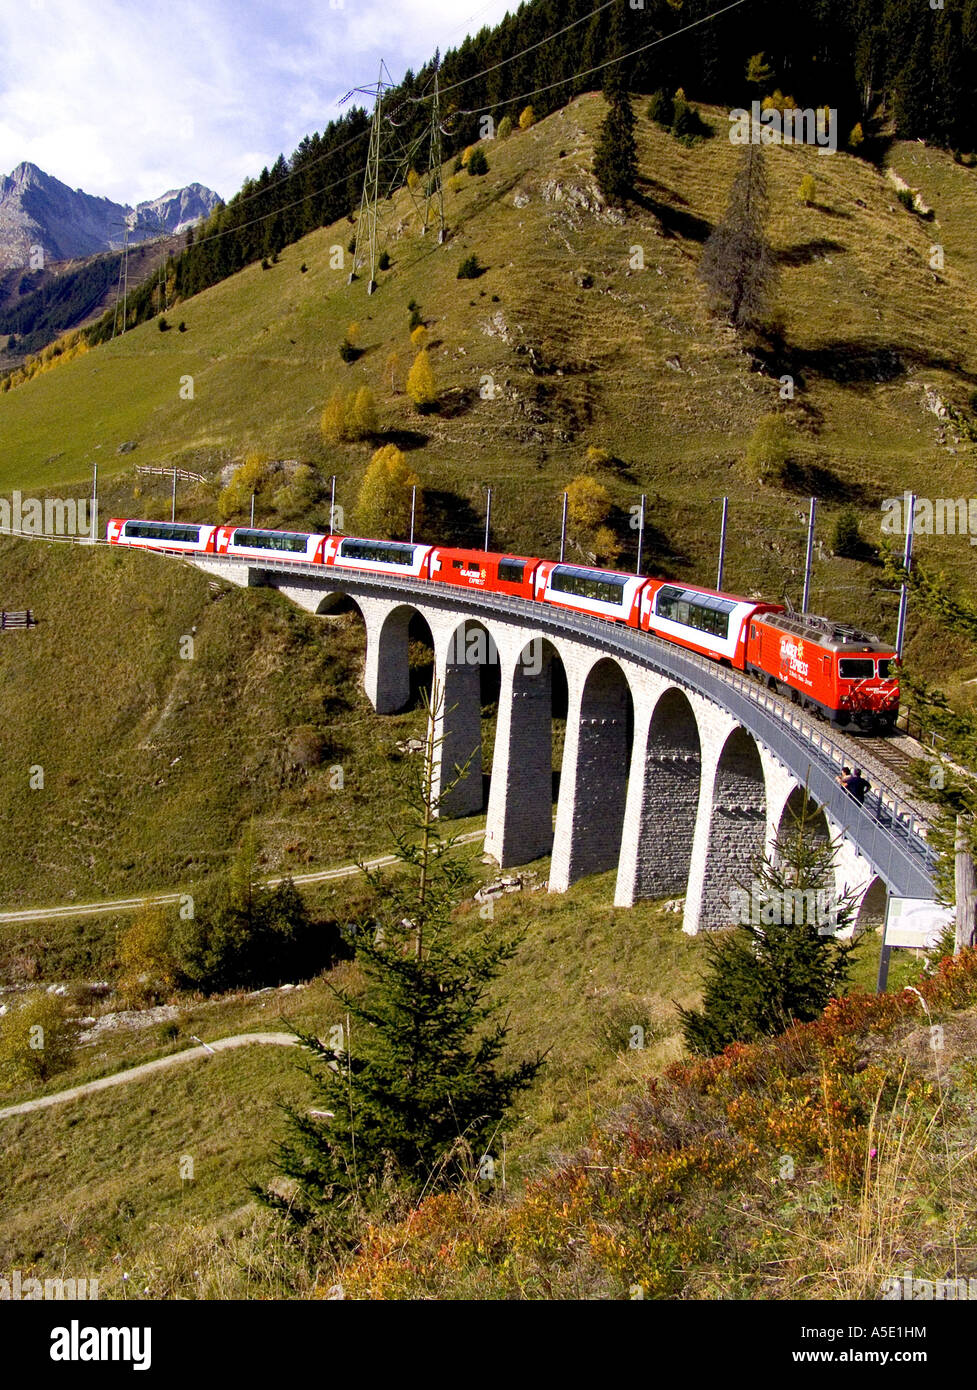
(838, 672)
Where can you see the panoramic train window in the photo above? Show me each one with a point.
(594, 584)
(271, 540)
(379, 552)
(511, 571)
(852, 668)
(701, 611)
(160, 531)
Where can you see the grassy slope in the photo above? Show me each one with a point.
(98, 694)
(152, 763)
(639, 366)
(584, 976)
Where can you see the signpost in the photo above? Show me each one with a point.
(917, 923)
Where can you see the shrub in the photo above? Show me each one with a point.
(768, 451)
(37, 1038)
(416, 318)
(477, 163)
(246, 938)
(183, 327)
(419, 335)
(661, 109)
(588, 501)
(384, 262)
(265, 264)
(687, 122)
(347, 351)
(505, 128)
(163, 325)
(847, 540)
(807, 190)
(857, 136)
(527, 118)
(303, 267)
(421, 386)
(907, 198)
(147, 968)
(251, 476)
(470, 268)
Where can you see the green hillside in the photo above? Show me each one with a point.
(152, 763)
(583, 351)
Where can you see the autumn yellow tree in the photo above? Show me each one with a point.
(251, 476)
(421, 386)
(349, 416)
(527, 118)
(362, 417)
(147, 970)
(383, 503)
(588, 502)
(37, 1038)
(419, 335)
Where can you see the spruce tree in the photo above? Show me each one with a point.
(412, 1088)
(616, 151)
(774, 971)
(737, 263)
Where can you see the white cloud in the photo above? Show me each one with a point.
(127, 100)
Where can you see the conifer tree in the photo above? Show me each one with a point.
(412, 1086)
(737, 263)
(616, 151)
(774, 970)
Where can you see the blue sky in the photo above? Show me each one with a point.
(130, 98)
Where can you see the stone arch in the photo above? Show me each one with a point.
(737, 826)
(871, 909)
(388, 673)
(520, 819)
(672, 784)
(468, 673)
(594, 779)
(337, 602)
(797, 805)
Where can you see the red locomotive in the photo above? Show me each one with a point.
(836, 671)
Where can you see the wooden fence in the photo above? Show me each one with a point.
(15, 620)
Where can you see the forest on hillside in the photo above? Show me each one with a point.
(895, 66)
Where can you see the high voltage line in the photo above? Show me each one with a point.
(475, 111)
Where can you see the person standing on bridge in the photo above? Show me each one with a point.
(856, 785)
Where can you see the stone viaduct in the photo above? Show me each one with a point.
(674, 772)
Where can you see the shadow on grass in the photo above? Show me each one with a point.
(806, 252)
(673, 221)
(850, 361)
(452, 519)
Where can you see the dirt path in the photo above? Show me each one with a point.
(97, 909)
(146, 1069)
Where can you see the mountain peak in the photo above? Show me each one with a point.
(37, 210)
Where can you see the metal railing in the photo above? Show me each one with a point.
(886, 828)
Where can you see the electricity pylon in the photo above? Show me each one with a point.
(435, 183)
